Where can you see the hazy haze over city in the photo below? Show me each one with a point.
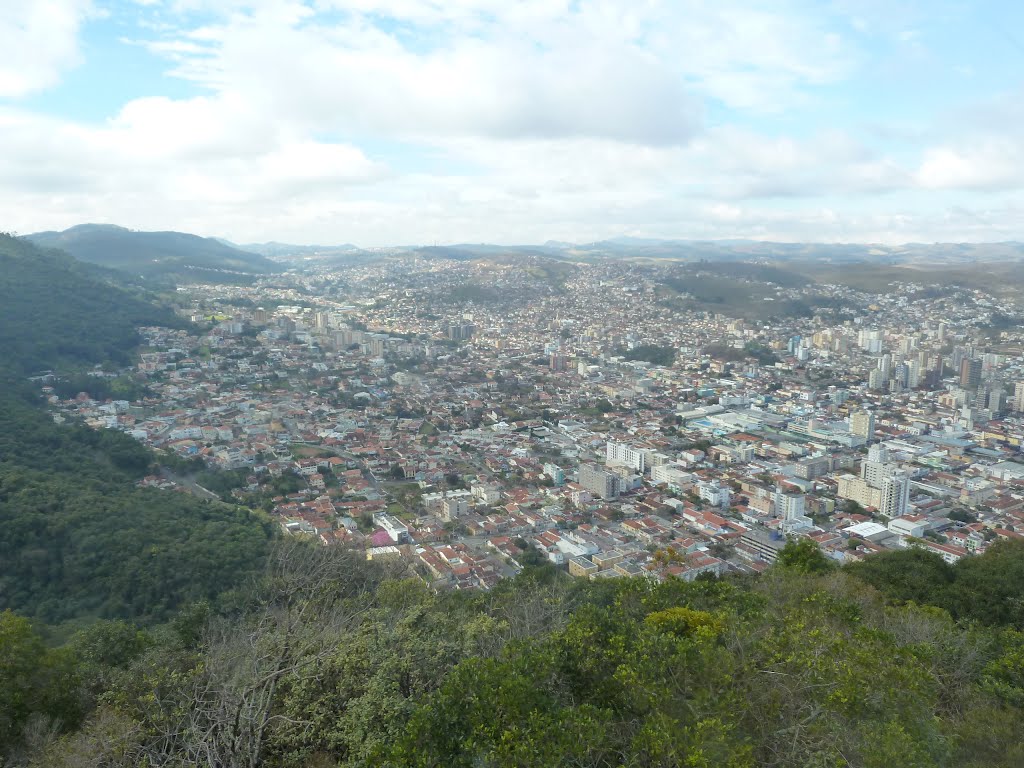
(395, 121)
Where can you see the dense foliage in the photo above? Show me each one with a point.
(731, 354)
(80, 540)
(650, 353)
(989, 590)
(54, 312)
(334, 661)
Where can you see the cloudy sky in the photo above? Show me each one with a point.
(417, 121)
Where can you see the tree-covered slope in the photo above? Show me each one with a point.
(54, 312)
(152, 253)
(79, 538)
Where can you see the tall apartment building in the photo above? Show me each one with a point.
(870, 341)
(1018, 396)
(970, 373)
(862, 424)
(790, 507)
(714, 493)
(600, 483)
(812, 467)
(555, 472)
(626, 456)
(895, 498)
(874, 473)
(853, 487)
(996, 400)
(453, 508)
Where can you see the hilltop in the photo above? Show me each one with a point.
(178, 254)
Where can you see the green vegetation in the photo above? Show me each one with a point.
(80, 539)
(730, 354)
(988, 590)
(481, 294)
(334, 661)
(744, 290)
(758, 273)
(222, 482)
(1001, 278)
(650, 353)
(98, 387)
(54, 313)
(740, 290)
(155, 253)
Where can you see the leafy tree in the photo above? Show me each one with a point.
(34, 682)
(986, 588)
(803, 556)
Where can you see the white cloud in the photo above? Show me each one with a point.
(384, 121)
(38, 42)
(360, 79)
(986, 166)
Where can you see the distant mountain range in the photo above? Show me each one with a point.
(183, 256)
(154, 253)
(649, 249)
(284, 249)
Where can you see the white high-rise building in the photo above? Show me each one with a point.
(885, 366)
(1018, 395)
(995, 401)
(913, 374)
(895, 499)
(625, 456)
(714, 493)
(878, 453)
(790, 507)
(602, 484)
(870, 341)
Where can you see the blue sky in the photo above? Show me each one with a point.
(404, 121)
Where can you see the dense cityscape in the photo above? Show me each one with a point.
(487, 384)
(580, 415)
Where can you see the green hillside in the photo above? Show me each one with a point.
(56, 312)
(178, 254)
(79, 538)
(741, 289)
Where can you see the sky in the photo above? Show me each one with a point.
(387, 122)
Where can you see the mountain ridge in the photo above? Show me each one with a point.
(152, 253)
(169, 251)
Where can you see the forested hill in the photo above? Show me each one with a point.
(154, 253)
(56, 312)
(80, 540)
